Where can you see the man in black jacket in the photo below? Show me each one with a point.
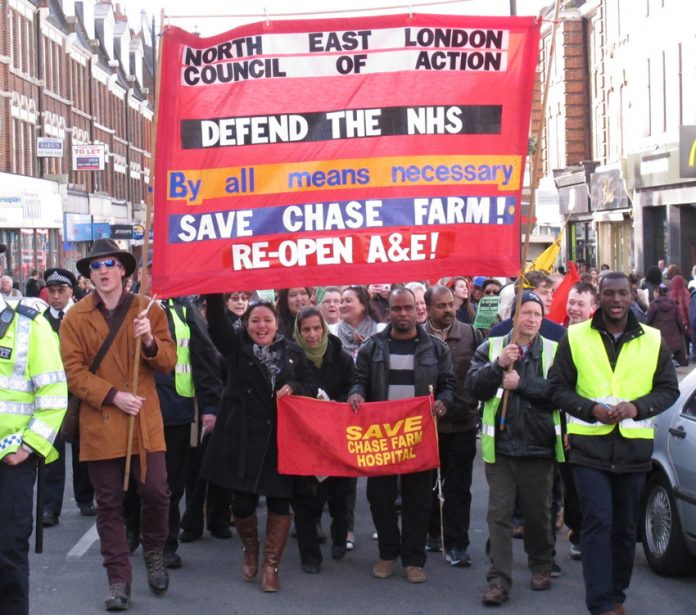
(400, 362)
(519, 448)
(61, 284)
(456, 430)
(611, 375)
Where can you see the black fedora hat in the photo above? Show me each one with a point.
(106, 247)
(55, 276)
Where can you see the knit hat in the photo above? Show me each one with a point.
(528, 295)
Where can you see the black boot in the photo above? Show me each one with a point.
(119, 597)
(157, 575)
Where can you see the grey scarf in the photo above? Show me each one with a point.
(353, 337)
(270, 359)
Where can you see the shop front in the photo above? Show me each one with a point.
(580, 241)
(665, 207)
(30, 225)
(612, 215)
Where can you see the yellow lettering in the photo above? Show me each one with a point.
(354, 432)
(413, 423)
(392, 430)
(373, 431)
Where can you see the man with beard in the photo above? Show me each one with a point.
(612, 375)
(401, 362)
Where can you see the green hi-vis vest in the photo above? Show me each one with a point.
(33, 389)
(495, 347)
(183, 376)
(632, 377)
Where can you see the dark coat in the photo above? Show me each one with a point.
(243, 454)
(178, 410)
(529, 430)
(612, 453)
(335, 376)
(462, 415)
(663, 315)
(433, 367)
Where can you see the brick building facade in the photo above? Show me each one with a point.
(72, 73)
(617, 127)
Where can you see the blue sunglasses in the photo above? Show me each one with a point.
(107, 262)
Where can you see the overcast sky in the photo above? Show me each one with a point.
(249, 12)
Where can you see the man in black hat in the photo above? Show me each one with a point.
(60, 284)
(109, 405)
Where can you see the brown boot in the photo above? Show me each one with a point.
(246, 528)
(277, 530)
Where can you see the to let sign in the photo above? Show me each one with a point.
(88, 157)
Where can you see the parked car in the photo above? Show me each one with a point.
(668, 520)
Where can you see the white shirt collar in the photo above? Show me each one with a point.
(54, 312)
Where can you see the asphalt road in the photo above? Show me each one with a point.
(68, 578)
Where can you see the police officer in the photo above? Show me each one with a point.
(33, 400)
(60, 284)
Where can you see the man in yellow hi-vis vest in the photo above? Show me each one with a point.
(33, 400)
(611, 375)
(519, 449)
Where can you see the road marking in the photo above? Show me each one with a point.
(82, 546)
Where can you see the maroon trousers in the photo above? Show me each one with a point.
(107, 478)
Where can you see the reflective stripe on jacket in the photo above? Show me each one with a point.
(33, 389)
(490, 407)
(631, 378)
(183, 376)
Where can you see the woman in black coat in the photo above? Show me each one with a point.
(332, 370)
(243, 455)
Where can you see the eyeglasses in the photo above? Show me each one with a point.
(491, 292)
(109, 263)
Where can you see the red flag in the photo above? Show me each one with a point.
(557, 313)
(326, 438)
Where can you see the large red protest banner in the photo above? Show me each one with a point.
(296, 153)
(326, 438)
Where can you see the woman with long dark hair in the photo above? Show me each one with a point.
(262, 366)
(465, 310)
(332, 371)
(290, 302)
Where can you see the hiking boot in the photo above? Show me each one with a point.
(157, 575)
(119, 597)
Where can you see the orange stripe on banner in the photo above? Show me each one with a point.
(198, 185)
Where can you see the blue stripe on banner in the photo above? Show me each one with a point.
(342, 215)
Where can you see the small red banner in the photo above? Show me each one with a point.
(326, 438)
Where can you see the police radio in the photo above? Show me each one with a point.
(6, 317)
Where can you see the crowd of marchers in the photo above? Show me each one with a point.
(561, 414)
